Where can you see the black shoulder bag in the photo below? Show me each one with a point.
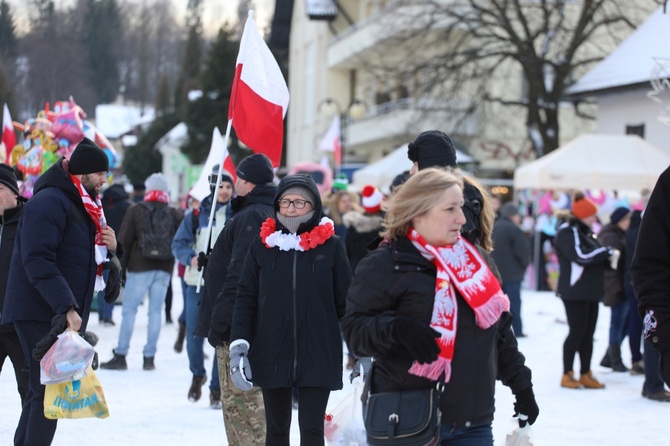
(399, 418)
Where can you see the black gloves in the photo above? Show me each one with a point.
(115, 280)
(58, 326)
(527, 406)
(664, 364)
(202, 260)
(418, 338)
(215, 338)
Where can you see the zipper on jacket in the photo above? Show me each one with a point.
(295, 317)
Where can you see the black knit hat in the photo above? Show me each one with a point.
(432, 149)
(88, 158)
(8, 178)
(256, 169)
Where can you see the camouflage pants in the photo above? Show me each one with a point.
(243, 412)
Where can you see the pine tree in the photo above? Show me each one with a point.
(8, 42)
(142, 160)
(6, 92)
(162, 102)
(100, 34)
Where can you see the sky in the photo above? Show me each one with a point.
(215, 12)
(151, 407)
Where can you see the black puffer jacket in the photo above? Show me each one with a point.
(288, 306)
(396, 280)
(8, 225)
(225, 263)
(582, 261)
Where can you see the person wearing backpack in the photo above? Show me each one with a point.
(190, 240)
(146, 235)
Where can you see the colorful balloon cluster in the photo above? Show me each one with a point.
(49, 136)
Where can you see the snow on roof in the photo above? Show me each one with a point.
(114, 120)
(633, 61)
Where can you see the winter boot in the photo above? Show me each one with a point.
(568, 380)
(614, 353)
(149, 363)
(179, 344)
(590, 382)
(637, 368)
(215, 399)
(606, 359)
(118, 362)
(195, 391)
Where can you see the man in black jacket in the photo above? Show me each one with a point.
(11, 207)
(510, 252)
(243, 412)
(651, 271)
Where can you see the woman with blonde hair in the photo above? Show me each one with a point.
(427, 305)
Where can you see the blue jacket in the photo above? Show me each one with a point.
(53, 264)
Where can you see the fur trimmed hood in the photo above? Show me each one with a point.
(362, 222)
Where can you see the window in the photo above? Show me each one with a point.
(635, 130)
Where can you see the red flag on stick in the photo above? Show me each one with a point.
(8, 135)
(259, 97)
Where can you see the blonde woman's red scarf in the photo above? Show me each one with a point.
(94, 209)
(459, 267)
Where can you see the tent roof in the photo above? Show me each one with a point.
(607, 162)
(382, 172)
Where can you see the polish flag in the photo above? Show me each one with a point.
(259, 97)
(8, 135)
(332, 141)
(230, 168)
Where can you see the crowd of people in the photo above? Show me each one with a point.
(422, 286)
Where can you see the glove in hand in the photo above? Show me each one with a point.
(216, 338)
(115, 280)
(525, 407)
(240, 370)
(365, 364)
(418, 338)
(202, 260)
(58, 326)
(664, 362)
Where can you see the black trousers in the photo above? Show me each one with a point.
(11, 346)
(582, 317)
(33, 429)
(312, 403)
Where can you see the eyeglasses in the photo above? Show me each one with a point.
(298, 204)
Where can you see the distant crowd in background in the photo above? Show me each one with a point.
(266, 266)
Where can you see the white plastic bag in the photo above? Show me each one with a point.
(66, 360)
(519, 437)
(343, 423)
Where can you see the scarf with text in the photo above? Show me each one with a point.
(94, 209)
(459, 267)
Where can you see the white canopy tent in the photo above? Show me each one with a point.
(382, 172)
(596, 162)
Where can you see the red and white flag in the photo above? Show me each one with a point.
(259, 98)
(8, 135)
(332, 141)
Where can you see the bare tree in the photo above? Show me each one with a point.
(509, 56)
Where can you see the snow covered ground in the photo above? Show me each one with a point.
(152, 408)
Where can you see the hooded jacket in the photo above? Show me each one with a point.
(288, 306)
(582, 261)
(8, 225)
(53, 266)
(395, 280)
(225, 262)
(115, 203)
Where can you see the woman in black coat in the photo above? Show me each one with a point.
(408, 309)
(290, 298)
(582, 262)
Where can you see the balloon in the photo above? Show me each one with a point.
(31, 162)
(69, 125)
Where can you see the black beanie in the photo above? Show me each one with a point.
(256, 169)
(432, 149)
(8, 178)
(88, 158)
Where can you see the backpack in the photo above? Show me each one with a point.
(157, 232)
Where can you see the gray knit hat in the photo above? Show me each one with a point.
(303, 191)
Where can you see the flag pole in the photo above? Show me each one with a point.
(212, 211)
